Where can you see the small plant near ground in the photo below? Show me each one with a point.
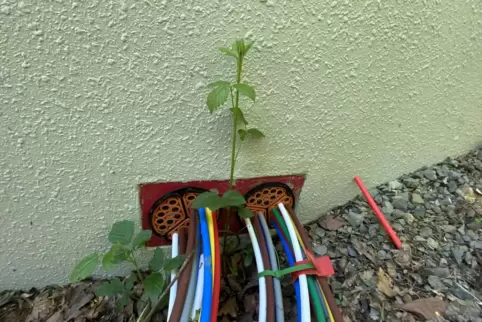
(221, 92)
(125, 247)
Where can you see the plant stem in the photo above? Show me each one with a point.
(156, 305)
(138, 270)
(239, 69)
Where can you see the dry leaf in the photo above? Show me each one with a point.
(230, 307)
(385, 284)
(332, 223)
(366, 276)
(425, 308)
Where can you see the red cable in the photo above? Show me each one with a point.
(217, 271)
(378, 213)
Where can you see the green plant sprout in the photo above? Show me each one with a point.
(220, 93)
(124, 249)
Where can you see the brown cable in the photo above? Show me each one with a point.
(321, 279)
(270, 316)
(184, 278)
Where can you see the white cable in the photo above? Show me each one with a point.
(263, 301)
(173, 290)
(305, 297)
(186, 311)
(280, 316)
(198, 297)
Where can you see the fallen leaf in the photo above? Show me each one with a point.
(332, 223)
(41, 308)
(364, 250)
(366, 276)
(230, 307)
(81, 295)
(57, 317)
(385, 284)
(250, 303)
(425, 308)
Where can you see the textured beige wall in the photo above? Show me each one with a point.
(99, 96)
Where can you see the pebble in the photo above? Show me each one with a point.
(401, 204)
(395, 185)
(411, 182)
(409, 218)
(430, 174)
(438, 271)
(476, 244)
(426, 232)
(449, 228)
(321, 250)
(417, 199)
(419, 212)
(432, 243)
(354, 218)
(436, 283)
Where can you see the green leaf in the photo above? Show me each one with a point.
(116, 254)
(129, 283)
(110, 288)
(242, 134)
(245, 213)
(246, 90)
(248, 46)
(175, 263)
(153, 285)
(141, 239)
(239, 115)
(248, 257)
(233, 198)
(217, 97)
(218, 83)
(122, 232)
(255, 133)
(209, 200)
(121, 302)
(85, 267)
(228, 52)
(157, 260)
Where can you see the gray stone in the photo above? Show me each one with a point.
(436, 283)
(430, 174)
(321, 250)
(419, 211)
(351, 251)
(432, 243)
(387, 207)
(395, 185)
(461, 293)
(419, 239)
(449, 229)
(320, 232)
(355, 219)
(417, 199)
(411, 182)
(468, 258)
(452, 186)
(409, 218)
(458, 252)
(443, 262)
(401, 204)
(479, 155)
(426, 232)
(476, 244)
(441, 272)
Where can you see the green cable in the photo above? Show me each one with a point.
(282, 224)
(315, 298)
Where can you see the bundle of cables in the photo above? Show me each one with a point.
(313, 294)
(195, 295)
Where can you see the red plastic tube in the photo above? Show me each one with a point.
(217, 270)
(378, 213)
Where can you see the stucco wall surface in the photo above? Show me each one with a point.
(100, 96)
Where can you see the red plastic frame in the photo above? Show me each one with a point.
(150, 192)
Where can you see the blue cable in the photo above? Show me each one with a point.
(206, 305)
(291, 262)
